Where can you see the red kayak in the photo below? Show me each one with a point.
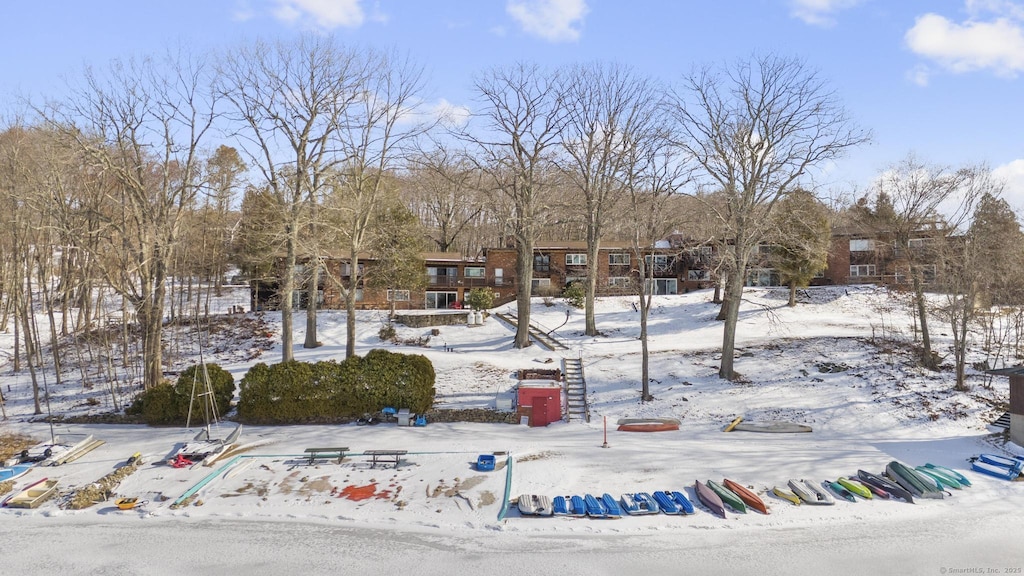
(749, 498)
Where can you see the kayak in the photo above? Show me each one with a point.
(728, 497)
(855, 487)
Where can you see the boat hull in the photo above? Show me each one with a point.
(749, 498)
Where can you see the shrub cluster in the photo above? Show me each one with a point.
(168, 404)
(298, 392)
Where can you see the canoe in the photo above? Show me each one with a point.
(839, 490)
(809, 494)
(771, 427)
(890, 487)
(950, 472)
(682, 501)
(994, 470)
(626, 421)
(648, 424)
(728, 497)
(786, 495)
(822, 495)
(611, 506)
(855, 487)
(749, 498)
(666, 503)
(34, 494)
(941, 478)
(912, 481)
(709, 498)
(733, 424)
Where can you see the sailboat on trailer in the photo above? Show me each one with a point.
(203, 447)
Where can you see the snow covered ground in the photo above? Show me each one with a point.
(268, 512)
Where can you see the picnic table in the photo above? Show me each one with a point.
(337, 452)
(385, 457)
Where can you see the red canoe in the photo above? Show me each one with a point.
(749, 498)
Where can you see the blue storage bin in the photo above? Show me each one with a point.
(485, 462)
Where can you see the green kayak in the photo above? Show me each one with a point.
(941, 477)
(728, 496)
(855, 487)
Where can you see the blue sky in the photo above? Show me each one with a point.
(939, 78)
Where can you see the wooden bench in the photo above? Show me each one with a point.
(385, 457)
(314, 453)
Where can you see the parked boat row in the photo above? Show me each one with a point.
(898, 481)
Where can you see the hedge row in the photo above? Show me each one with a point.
(297, 392)
(168, 404)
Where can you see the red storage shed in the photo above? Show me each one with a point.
(543, 400)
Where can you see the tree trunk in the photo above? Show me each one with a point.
(312, 290)
(286, 291)
(731, 307)
(792, 293)
(593, 249)
(645, 371)
(927, 358)
(524, 285)
(350, 305)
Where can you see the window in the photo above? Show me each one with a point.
(618, 259)
(919, 242)
(346, 269)
(698, 275)
(862, 245)
(398, 295)
(474, 272)
(441, 300)
(619, 281)
(862, 270)
(541, 263)
(660, 286)
(541, 283)
(499, 277)
(442, 275)
(762, 277)
(571, 279)
(575, 259)
(657, 261)
(927, 272)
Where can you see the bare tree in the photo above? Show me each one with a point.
(755, 129)
(921, 207)
(654, 172)
(141, 124)
(379, 130)
(443, 186)
(607, 110)
(293, 100)
(521, 122)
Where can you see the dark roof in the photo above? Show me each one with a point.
(1011, 371)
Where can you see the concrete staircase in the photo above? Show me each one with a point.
(575, 390)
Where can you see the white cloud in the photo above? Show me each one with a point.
(243, 12)
(996, 44)
(919, 75)
(1013, 175)
(325, 14)
(553, 20)
(819, 12)
(450, 114)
